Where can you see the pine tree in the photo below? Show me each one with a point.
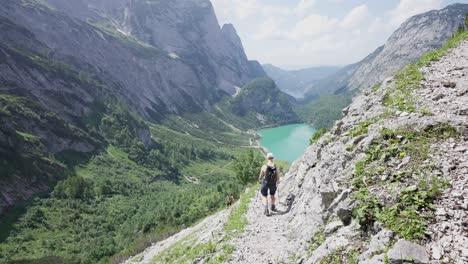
(247, 166)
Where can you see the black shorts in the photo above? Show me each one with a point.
(266, 187)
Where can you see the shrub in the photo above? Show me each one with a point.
(317, 135)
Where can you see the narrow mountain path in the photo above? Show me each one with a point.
(266, 239)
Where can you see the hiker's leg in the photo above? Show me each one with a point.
(272, 195)
(264, 191)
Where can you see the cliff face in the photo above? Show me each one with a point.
(387, 184)
(417, 36)
(187, 29)
(167, 56)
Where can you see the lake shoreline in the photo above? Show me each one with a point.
(287, 142)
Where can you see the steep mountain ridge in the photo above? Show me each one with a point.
(386, 185)
(189, 29)
(189, 69)
(415, 37)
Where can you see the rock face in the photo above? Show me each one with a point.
(318, 225)
(405, 251)
(166, 56)
(415, 37)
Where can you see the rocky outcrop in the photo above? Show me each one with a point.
(415, 37)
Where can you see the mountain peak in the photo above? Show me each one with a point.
(231, 35)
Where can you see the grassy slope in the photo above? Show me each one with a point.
(115, 201)
(218, 249)
(135, 204)
(414, 186)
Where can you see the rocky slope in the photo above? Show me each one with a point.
(415, 37)
(386, 185)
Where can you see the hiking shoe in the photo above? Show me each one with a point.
(273, 208)
(267, 213)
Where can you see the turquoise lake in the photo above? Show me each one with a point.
(287, 142)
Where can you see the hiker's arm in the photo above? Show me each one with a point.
(278, 176)
(262, 173)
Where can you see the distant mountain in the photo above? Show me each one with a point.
(262, 101)
(297, 82)
(415, 37)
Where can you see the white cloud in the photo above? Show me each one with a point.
(304, 6)
(306, 32)
(409, 8)
(233, 10)
(355, 17)
(269, 29)
(313, 25)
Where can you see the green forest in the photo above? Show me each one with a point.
(118, 202)
(112, 203)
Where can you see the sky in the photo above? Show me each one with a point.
(300, 33)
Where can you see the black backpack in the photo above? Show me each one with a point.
(270, 174)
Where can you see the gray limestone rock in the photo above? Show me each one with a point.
(378, 243)
(332, 227)
(407, 252)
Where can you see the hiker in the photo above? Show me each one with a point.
(229, 200)
(269, 178)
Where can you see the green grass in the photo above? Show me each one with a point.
(400, 96)
(436, 55)
(362, 128)
(218, 249)
(315, 241)
(412, 188)
(237, 221)
(341, 256)
(318, 135)
(114, 204)
(28, 137)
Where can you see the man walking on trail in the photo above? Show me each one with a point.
(269, 178)
(229, 200)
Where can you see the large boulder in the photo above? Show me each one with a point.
(407, 252)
